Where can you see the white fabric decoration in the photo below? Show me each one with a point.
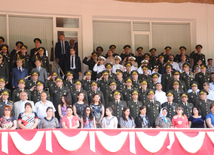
(4, 142)
(92, 141)
(132, 142)
(112, 143)
(24, 146)
(70, 143)
(191, 144)
(171, 140)
(48, 135)
(152, 143)
(211, 136)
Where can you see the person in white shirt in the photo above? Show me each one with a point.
(206, 87)
(155, 70)
(174, 64)
(101, 67)
(117, 64)
(144, 63)
(159, 94)
(42, 105)
(19, 106)
(212, 83)
(134, 64)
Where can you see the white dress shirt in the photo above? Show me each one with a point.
(175, 66)
(140, 70)
(99, 68)
(115, 67)
(211, 86)
(72, 58)
(40, 108)
(160, 96)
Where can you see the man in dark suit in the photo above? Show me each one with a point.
(18, 72)
(62, 49)
(74, 64)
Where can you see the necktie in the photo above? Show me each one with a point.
(72, 62)
(117, 103)
(20, 70)
(63, 51)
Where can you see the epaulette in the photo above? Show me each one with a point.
(11, 101)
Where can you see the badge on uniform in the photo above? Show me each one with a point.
(148, 105)
(30, 84)
(18, 94)
(55, 91)
(132, 106)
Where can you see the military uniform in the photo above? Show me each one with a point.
(69, 85)
(91, 64)
(4, 70)
(90, 94)
(152, 109)
(182, 85)
(33, 51)
(44, 61)
(187, 108)
(148, 78)
(171, 108)
(50, 85)
(57, 94)
(30, 84)
(24, 57)
(197, 57)
(13, 52)
(74, 94)
(6, 60)
(1, 90)
(104, 85)
(152, 59)
(118, 108)
(110, 97)
(177, 96)
(121, 85)
(139, 58)
(201, 79)
(16, 94)
(204, 106)
(143, 96)
(187, 78)
(193, 98)
(165, 79)
(126, 75)
(36, 96)
(86, 85)
(124, 55)
(134, 108)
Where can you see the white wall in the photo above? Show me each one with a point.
(201, 15)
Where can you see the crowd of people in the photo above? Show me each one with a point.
(117, 91)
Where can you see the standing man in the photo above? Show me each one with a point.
(199, 55)
(18, 72)
(152, 108)
(42, 71)
(37, 42)
(203, 76)
(210, 67)
(62, 49)
(42, 105)
(4, 70)
(74, 64)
